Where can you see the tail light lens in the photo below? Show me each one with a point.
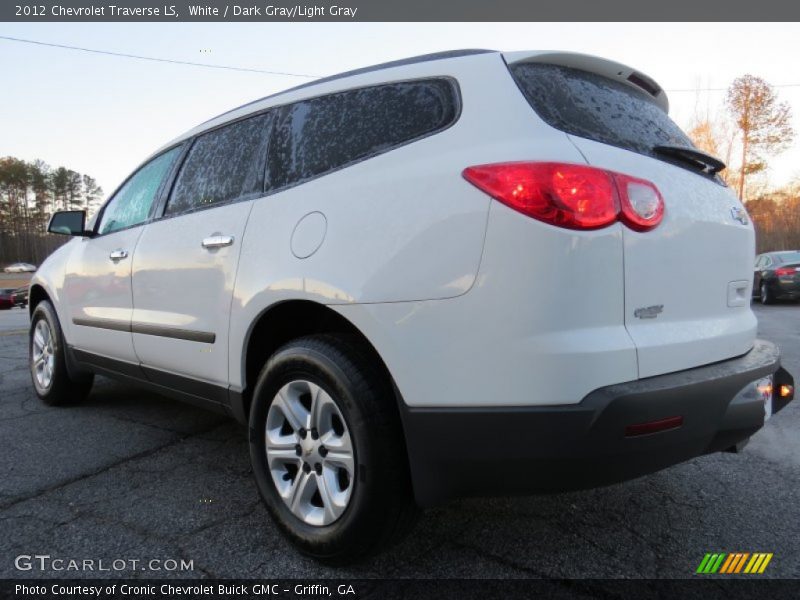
(571, 196)
(785, 271)
(642, 204)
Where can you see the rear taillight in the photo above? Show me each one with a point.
(641, 202)
(571, 196)
(785, 271)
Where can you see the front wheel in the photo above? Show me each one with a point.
(327, 449)
(47, 359)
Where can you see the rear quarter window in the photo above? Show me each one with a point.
(322, 134)
(598, 108)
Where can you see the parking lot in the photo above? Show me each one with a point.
(131, 475)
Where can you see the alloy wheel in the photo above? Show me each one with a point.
(42, 355)
(310, 453)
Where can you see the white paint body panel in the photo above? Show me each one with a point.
(403, 226)
(686, 264)
(532, 331)
(468, 302)
(179, 283)
(96, 287)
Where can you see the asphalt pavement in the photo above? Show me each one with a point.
(132, 476)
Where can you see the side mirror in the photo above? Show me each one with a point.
(68, 222)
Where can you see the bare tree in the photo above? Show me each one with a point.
(715, 137)
(763, 122)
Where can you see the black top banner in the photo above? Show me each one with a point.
(398, 10)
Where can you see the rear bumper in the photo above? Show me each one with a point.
(500, 451)
(786, 289)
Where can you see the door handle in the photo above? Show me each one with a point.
(118, 254)
(217, 241)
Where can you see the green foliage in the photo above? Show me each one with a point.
(29, 194)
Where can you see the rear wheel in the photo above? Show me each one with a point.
(766, 296)
(327, 449)
(47, 359)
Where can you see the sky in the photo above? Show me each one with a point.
(102, 115)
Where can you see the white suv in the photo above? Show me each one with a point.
(464, 273)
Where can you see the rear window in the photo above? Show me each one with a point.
(322, 134)
(597, 108)
(788, 257)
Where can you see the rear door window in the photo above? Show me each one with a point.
(598, 108)
(322, 134)
(223, 165)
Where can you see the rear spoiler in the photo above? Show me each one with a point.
(600, 66)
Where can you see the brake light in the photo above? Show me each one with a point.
(784, 271)
(571, 196)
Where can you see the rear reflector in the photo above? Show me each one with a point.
(571, 196)
(653, 426)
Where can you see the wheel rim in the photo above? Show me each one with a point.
(309, 453)
(764, 293)
(42, 355)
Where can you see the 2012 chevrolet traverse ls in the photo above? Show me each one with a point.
(463, 273)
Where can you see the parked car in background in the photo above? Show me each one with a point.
(777, 276)
(20, 296)
(20, 268)
(6, 300)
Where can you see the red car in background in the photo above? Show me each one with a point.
(19, 297)
(6, 298)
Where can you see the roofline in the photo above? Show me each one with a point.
(600, 66)
(360, 71)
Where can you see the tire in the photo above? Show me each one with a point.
(379, 509)
(766, 295)
(46, 341)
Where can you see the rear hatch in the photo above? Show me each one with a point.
(688, 281)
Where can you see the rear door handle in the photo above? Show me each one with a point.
(118, 254)
(217, 241)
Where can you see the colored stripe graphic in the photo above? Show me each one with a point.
(711, 563)
(764, 564)
(730, 564)
(727, 564)
(755, 562)
(703, 563)
(741, 562)
(734, 563)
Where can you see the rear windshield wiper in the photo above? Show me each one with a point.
(692, 157)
